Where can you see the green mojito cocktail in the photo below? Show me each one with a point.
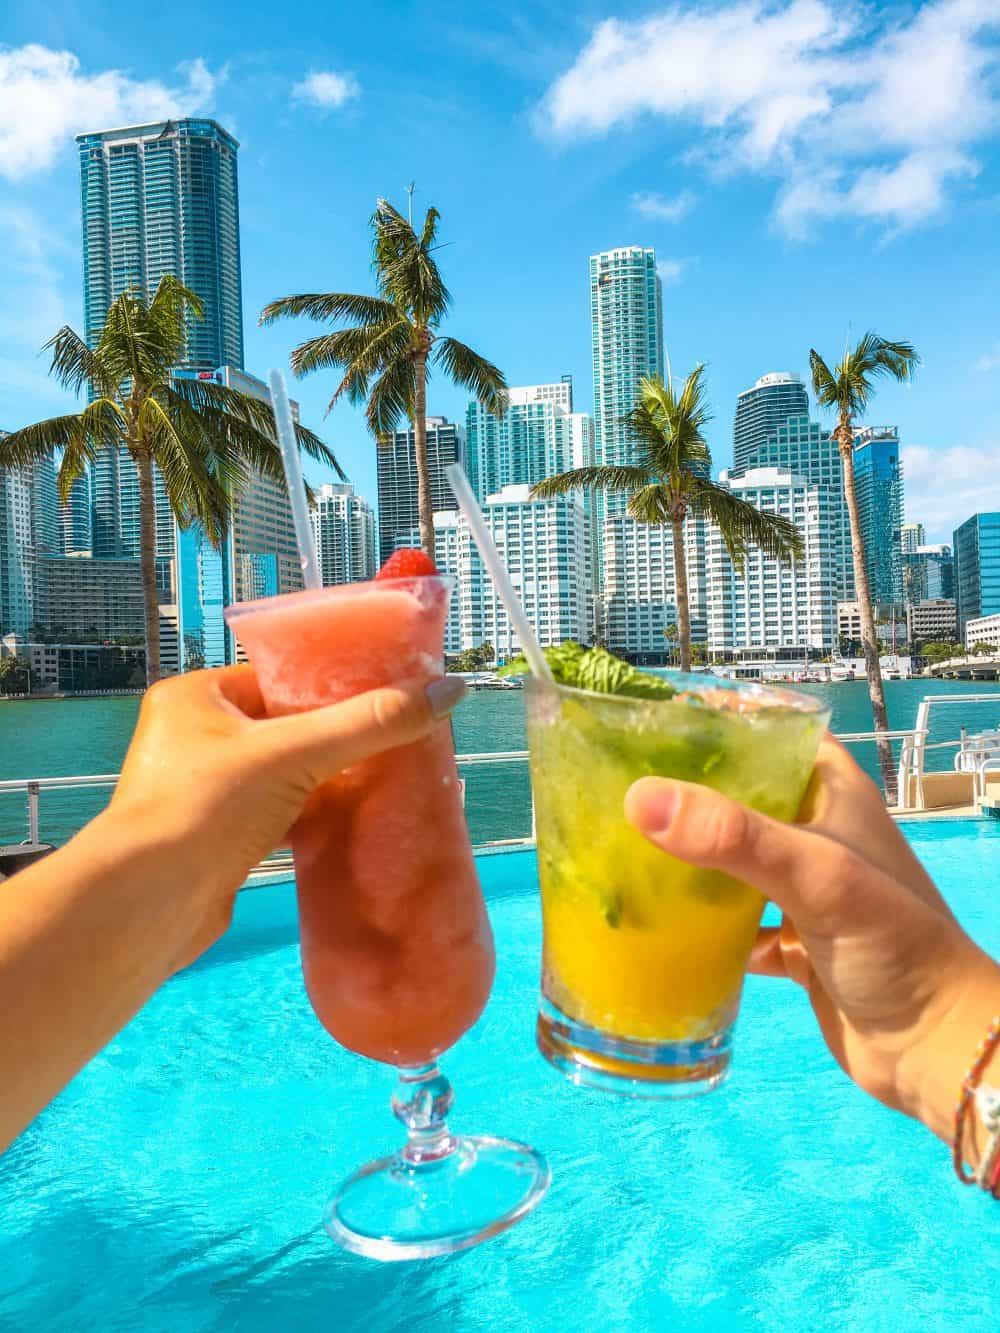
(644, 955)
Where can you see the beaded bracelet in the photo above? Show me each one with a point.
(984, 1051)
(988, 1105)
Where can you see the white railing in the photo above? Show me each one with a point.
(32, 788)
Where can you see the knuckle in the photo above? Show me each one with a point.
(392, 712)
(727, 828)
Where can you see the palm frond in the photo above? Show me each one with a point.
(31, 443)
(330, 305)
(652, 504)
(668, 426)
(391, 398)
(366, 347)
(467, 368)
(605, 478)
(743, 526)
(74, 364)
(823, 380)
(405, 269)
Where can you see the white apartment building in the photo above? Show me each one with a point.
(344, 531)
(543, 544)
(640, 589)
(983, 629)
(788, 606)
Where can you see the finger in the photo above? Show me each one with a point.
(322, 742)
(766, 959)
(812, 878)
(238, 686)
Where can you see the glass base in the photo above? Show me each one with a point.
(629, 1066)
(398, 1209)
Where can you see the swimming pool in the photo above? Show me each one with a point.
(178, 1183)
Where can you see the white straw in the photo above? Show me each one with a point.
(530, 646)
(295, 480)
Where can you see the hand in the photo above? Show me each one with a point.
(225, 785)
(901, 994)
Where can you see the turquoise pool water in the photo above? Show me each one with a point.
(177, 1184)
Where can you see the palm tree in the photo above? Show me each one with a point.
(392, 339)
(848, 388)
(671, 478)
(204, 439)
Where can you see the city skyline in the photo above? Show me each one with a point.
(747, 299)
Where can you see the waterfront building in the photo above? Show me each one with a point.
(911, 538)
(928, 573)
(771, 605)
(79, 599)
(878, 479)
(398, 509)
(976, 544)
(626, 315)
(983, 629)
(29, 529)
(74, 518)
(543, 544)
(640, 602)
(933, 620)
(85, 666)
(158, 198)
(344, 531)
(888, 624)
(761, 411)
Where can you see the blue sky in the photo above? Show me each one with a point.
(805, 170)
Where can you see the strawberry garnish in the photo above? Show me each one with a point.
(408, 563)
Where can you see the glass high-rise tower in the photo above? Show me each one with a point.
(158, 199)
(878, 482)
(760, 411)
(976, 544)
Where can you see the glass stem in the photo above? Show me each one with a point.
(421, 1100)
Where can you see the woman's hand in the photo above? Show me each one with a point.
(225, 784)
(209, 787)
(901, 994)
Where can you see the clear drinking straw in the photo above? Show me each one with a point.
(295, 480)
(490, 556)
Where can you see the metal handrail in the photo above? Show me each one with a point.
(33, 787)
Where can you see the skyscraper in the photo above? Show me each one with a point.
(976, 544)
(928, 573)
(760, 410)
(878, 480)
(29, 530)
(397, 479)
(539, 434)
(344, 530)
(158, 199)
(788, 607)
(911, 536)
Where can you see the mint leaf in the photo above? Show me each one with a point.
(595, 669)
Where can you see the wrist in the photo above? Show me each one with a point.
(931, 1074)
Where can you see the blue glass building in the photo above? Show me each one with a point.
(976, 547)
(878, 480)
(158, 199)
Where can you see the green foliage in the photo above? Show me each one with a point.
(473, 659)
(940, 651)
(849, 387)
(391, 338)
(982, 650)
(15, 676)
(594, 669)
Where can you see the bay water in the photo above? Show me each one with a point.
(64, 737)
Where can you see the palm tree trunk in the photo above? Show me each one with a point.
(681, 593)
(147, 561)
(425, 501)
(869, 641)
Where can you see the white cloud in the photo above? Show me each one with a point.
(664, 209)
(327, 89)
(670, 270)
(944, 486)
(857, 115)
(990, 360)
(46, 98)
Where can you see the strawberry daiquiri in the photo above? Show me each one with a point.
(397, 951)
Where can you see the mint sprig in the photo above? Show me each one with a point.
(594, 669)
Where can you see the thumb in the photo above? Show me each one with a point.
(814, 879)
(323, 741)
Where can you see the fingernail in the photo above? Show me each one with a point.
(650, 804)
(444, 694)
